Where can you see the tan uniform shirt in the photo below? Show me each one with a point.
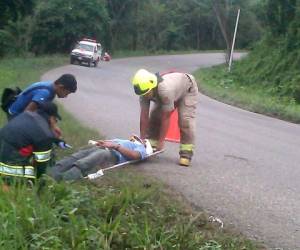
(170, 91)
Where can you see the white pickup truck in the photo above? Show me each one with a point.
(86, 51)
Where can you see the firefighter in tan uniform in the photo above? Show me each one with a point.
(168, 91)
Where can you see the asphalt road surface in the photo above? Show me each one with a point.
(246, 166)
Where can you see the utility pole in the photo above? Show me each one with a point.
(222, 13)
(233, 41)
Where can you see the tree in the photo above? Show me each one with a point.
(16, 36)
(58, 24)
(280, 14)
(226, 11)
(15, 25)
(54, 26)
(13, 10)
(222, 13)
(201, 26)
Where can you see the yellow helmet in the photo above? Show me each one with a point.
(143, 81)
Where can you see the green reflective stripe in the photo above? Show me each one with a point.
(186, 147)
(42, 156)
(19, 171)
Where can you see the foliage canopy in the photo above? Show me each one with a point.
(42, 26)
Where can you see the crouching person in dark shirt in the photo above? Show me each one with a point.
(103, 154)
(26, 143)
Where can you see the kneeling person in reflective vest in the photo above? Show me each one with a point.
(105, 153)
(26, 143)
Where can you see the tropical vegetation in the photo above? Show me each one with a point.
(42, 26)
(267, 80)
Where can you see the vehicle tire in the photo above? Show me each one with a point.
(72, 61)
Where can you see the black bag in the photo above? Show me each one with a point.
(9, 96)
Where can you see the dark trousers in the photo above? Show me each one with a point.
(10, 156)
(80, 164)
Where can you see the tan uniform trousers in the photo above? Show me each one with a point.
(186, 120)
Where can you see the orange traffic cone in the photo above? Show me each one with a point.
(173, 134)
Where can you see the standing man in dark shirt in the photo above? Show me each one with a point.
(26, 143)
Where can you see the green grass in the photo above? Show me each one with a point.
(118, 212)
(266, 81)
(122, 210)
(218, 83)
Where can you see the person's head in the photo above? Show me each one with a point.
(144, 82)
(50, 109)
(146, 143)
(65, 85)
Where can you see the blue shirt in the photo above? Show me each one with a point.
(38, 92)
(130, 145)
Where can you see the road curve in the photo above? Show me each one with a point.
(246, 166)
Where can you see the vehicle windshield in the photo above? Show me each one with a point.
(85, 47)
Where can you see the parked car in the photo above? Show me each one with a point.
(86, 51)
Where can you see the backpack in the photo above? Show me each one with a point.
(8, 97)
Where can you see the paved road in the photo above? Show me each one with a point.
(246, 166)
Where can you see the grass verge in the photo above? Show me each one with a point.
(123, 210)
(218, 83)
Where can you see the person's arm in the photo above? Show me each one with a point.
(53, 126)
(32, 106)
(39, 96)
(165, 122)
(128, 153)
(144, 121)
